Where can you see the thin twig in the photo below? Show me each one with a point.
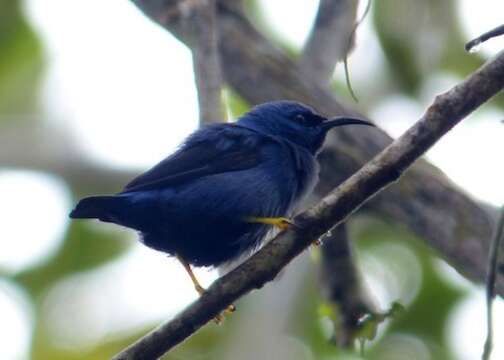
(446, 111)
(498, 31)
(493, 256)
(329, 38)
(349, 46)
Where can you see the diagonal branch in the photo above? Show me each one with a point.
(384, 169)
(329, 39)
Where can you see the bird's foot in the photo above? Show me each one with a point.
(201, 290)
(220, 318)
(280, 222)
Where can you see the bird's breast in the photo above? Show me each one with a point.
(297, 171)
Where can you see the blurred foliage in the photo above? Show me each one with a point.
(425, 39)
(20, 60)
(236, 105)
(256, 14)
(85, 247)
(405, 60)
(421, 319)
(196, 347)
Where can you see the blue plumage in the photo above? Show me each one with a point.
(195, 203)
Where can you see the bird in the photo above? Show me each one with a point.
(227, 185)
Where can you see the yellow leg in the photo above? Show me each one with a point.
(280, 222)
(200, 289)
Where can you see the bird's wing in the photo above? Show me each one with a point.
(215, 149)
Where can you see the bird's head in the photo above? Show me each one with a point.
(295, 122)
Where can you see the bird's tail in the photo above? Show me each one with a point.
(104, 208)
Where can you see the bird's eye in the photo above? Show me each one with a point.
(300, 118)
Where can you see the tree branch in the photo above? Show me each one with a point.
(329, 39)
(198, 18)
(493, 257)
(446, 111)
(341, 286)
(498, 31)
(54, 150)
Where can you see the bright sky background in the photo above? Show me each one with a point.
(125, 88)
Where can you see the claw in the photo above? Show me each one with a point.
(220, 318)
(201, 290)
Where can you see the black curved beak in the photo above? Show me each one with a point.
(344, 120)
